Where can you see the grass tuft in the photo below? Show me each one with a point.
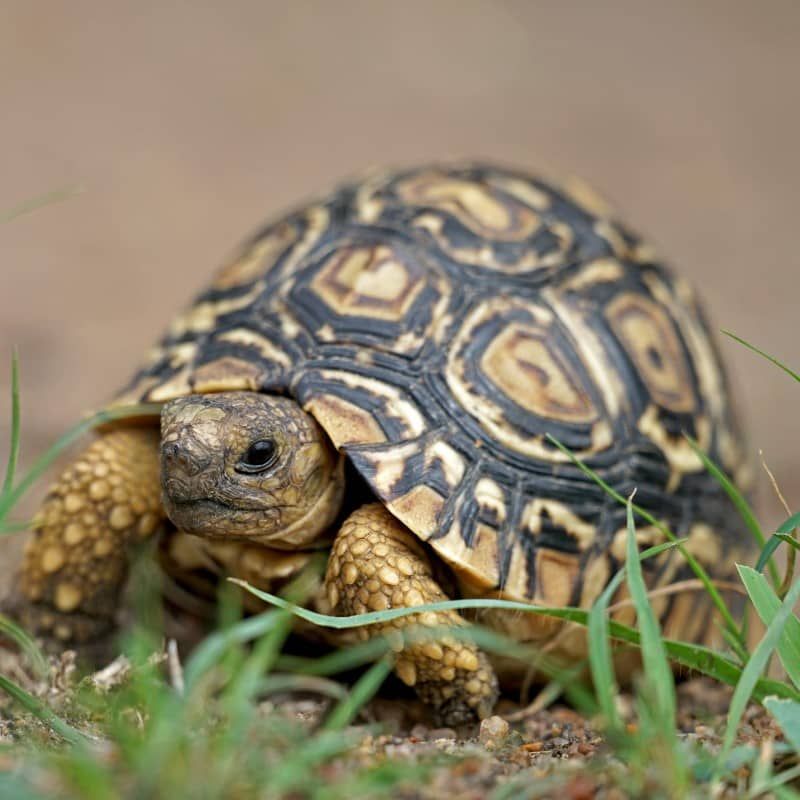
(752, 671)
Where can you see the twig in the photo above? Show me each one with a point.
(689, 585)
(790, 557)
(174, 666)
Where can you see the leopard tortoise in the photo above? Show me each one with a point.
(377, 374)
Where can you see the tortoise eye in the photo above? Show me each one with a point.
(258, 457)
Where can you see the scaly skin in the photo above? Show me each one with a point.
(376, 564)
(74, 567)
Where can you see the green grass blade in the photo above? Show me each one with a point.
(752, 347)
(212, 648)
(787, 715)
(752, 672)
(770, 788)
(373, 617)
(767, 604)
(772, 544)
(13, 449)
(739, 501)
(35, 203)
(243, 685)
(693, 656)
(283, 682)
(19, 787)
(654, 656)
(86, 775)
(788, 539)
(266, 651)
(294, 771)
(8, 501)
(28, 646)
(260, 661)
(362, 692)
(708, 662)
(41, 711)
(790, 524)
(338, 661)
(14, 527)
(658, 549)
(601, 661)
(730, 623)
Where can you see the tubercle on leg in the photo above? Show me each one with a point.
(376, 564)
(76, 562)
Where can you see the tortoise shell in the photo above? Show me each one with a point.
(439, 323)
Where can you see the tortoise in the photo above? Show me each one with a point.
(377, 373)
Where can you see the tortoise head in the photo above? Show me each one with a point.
(247, 466)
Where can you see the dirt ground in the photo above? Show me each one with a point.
(187, 124)
(545, 752)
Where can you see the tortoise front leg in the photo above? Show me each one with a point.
(69, 586)
(375, 564)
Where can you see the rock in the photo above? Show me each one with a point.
(494, 730)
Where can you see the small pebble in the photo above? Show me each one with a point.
(494, 730)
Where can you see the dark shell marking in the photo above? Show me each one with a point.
(439, 323)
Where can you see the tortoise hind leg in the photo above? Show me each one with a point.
(69, 585)
(375, 564)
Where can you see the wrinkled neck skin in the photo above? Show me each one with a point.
(211, 489)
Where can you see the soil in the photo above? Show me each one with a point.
(520, 752)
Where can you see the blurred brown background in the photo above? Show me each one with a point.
(188, 124)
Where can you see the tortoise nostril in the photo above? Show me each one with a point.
(179, 472)
(177, 458)
(171, 451)
(188, 469)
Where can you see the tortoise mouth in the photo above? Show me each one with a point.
(203, 503)
(202, 495)
(212, 518)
